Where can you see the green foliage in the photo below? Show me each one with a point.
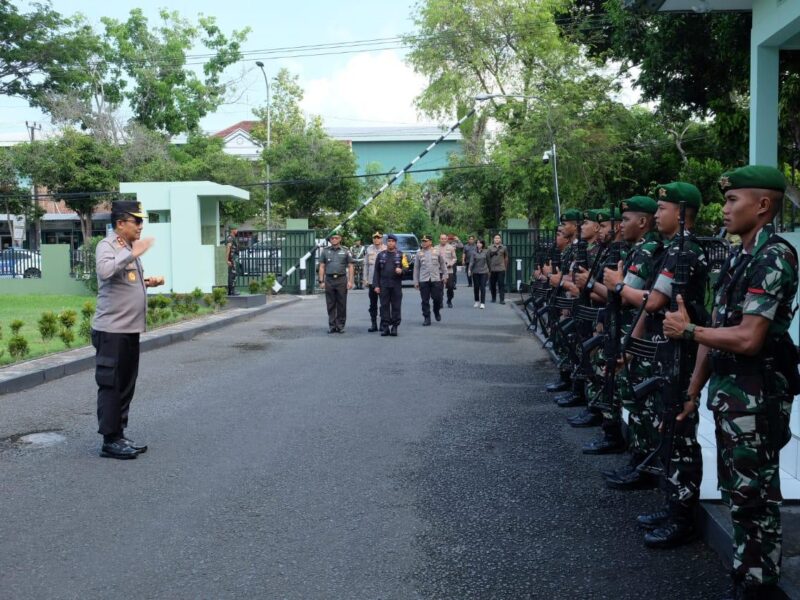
(85, 329)
(218, 298)
(15, 326)
(208, 299)
(18, 346)
(197, 294)
(254, 287)
(400, 209)
(267, 283)
(67, 336)
(68, 318)
(48, 325)
(286, 115)
(87, 310)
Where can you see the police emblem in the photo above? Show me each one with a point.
(131, 275)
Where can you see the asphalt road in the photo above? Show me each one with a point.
(288, 463)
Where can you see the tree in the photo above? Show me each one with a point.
(13, 199)
(316, 175)
(75, 167)
(146, 68)
(40, 51)
(398, 209)
(286, 116)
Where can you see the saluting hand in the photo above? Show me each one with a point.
(141, 246)
(675, 322)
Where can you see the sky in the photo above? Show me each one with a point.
(372, 88)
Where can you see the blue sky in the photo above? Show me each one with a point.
(364, 89)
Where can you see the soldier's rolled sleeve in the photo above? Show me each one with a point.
(633, 280)
(663, 284)
(768, 286)
(109, 262)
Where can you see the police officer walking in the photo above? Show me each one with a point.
(120, 317)
(430, 271)
(232, 258)
(336, 277)
(388, 282)
(448, 251)
(370, 256)
(752, 365)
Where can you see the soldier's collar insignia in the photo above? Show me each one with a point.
(662, 192)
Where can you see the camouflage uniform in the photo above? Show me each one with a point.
(639, 270)
(686, 461)
(751, 422)
(559, 344)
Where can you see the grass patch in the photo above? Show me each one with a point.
(29, 309)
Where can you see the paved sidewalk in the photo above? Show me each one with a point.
(24, 375)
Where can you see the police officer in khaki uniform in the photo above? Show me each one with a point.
(448, 252)
(430, 271)
(336, 277)
(118, 320)
(370, 256)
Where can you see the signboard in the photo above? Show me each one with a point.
(19, 228)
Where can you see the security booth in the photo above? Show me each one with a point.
(184, 219)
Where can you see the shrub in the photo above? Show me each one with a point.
(67, 336)
(18, 346)
(48, 325)
(68, 318)
(87, 312)
(85, 330)
(254, 287)
(197, 294)
(220, 298)
(208, 299)
(16, 325)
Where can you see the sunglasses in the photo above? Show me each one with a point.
(137, 220)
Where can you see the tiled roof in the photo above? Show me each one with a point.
(246, 126)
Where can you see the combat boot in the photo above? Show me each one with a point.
(586, 419)
(625, 469)
(384, 332)
(608, 444)
(677, 530)
(374, 327)
(426, 322)
(634, 480)
(393, 330)
(562, 385)
(653, 520)
(577, 398)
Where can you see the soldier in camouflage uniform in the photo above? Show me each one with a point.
(684, 465)
(570, 221)
(752, 366)
(638, 273)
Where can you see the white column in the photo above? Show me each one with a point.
(764, 105)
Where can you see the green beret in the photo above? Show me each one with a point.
(643, 204)
(608, 214)
(233, 226)
(753, 177)
(679, 191)
(573, 214)
(593, 214)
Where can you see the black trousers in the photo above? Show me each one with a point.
(373, 303)
(430, 290)
(479, 287)
(451, 282)
(497, 281)
(391, 299)
(116, 369)
(336, 300)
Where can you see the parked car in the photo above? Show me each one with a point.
(408, 244)
(259, 259)
(18, 262)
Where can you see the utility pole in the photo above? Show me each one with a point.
(35, 231)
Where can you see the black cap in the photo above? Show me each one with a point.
(132, 207)
(391, 236)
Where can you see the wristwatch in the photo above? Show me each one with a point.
(688, 332)
(618, 287)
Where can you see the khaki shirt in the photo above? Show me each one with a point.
(429, 266)
(498, 257)
(448, 251)
(336, 260)
(121, 293)
(369, 261)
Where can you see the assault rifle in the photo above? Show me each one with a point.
(673, 369)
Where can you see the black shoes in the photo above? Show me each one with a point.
(493, 300)
(571, 400)
(140, 448)
(393, 330)
(635, 480)
(675, 532)
(384, 332)
(340, 330)
(118, 449)
(605, 445)
(449, 304)
(502, 301)
(437, 316)
(654, 520)
(564, 384)
(426, 322)
(585, 419)
(332, 330)
(373, 328)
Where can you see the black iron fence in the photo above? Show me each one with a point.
(82, 263)
(524, 248)
(18, 262)
(265, 252)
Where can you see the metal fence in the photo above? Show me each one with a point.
(82, 263)
(21, 263)
(275, 251)
(524, 246)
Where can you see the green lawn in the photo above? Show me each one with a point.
(28, 309)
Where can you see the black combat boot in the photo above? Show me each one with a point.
(625, 469)
(577, 398)
(562, 385)
(608, 444)
(374, 326)
(385, 331)
(677, 530)
(393, 330)
(733, 589)
(633, 480)
(587, 418)
(426, 322)
(653, 520)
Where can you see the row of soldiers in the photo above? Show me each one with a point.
(624, 296)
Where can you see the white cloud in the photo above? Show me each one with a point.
(375, 87)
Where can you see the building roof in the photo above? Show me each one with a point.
(407, 133)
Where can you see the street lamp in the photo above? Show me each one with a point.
(549, 155)
(260, 65)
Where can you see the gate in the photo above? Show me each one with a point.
(275, 251)
(524, 247)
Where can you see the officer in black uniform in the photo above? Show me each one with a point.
(388, 283)
(232, 258)
(336, 277)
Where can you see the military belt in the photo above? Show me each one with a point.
(334, 275)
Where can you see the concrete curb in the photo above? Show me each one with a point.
(23, 376)
(713, 519)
